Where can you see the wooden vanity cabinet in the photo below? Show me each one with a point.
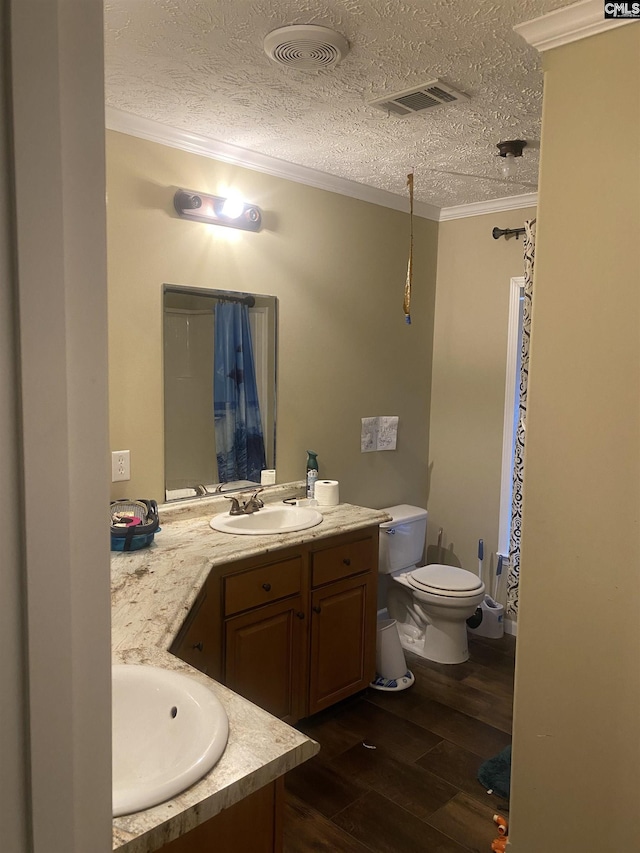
(253, 825)
(264, 636)
(343, 620)
(293, 631)
(198, 640)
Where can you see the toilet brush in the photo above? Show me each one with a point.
(497, 578)
(491, 624)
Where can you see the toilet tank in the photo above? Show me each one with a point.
(402, 539)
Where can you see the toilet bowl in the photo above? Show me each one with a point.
(430, 604)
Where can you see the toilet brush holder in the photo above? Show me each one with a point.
(391, 667)
(492, 625)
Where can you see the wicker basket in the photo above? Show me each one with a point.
(133, 524)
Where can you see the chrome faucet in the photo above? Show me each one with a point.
(235, 506)
(252, 504)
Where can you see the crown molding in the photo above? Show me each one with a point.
(163, 134)
(153, 131)
(496, 205)
(571, 23)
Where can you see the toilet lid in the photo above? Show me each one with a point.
(444, 580)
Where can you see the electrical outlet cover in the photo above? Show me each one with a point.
(120, 466)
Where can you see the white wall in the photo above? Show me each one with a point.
(61, 581)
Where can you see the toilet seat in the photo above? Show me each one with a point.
(446, 581)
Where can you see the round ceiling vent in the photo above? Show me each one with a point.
(307, 47)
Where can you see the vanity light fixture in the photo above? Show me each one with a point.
(509, 151)
(217, 210)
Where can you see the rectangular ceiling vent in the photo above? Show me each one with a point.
(435, 93)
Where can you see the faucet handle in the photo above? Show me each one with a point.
(235, 506)
(256, 499)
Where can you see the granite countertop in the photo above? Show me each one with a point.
(152, 590)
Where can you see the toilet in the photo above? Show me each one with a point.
(431, 604)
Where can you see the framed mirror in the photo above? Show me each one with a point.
(220, 357)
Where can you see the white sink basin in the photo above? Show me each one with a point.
(269, 519)
(168, 732)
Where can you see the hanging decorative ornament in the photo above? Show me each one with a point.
(407, 285)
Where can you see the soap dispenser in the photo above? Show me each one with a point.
(312, 473)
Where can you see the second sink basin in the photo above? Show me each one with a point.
(269, 519)
(168, 732)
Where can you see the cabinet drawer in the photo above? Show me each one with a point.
(342, 561)
(262, 585)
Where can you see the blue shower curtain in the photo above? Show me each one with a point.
(239, 438)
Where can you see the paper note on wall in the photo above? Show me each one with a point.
(368, 436)
(387, 433)
(378, 434)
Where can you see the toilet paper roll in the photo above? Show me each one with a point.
(327, 492)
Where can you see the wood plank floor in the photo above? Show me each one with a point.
(396, 773)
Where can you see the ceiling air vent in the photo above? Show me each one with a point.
(431, 94)
(306, 47)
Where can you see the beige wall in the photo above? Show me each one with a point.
(337, 266)
(468, 384)
(576, 773)
(14, 701)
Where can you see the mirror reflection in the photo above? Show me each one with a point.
(219, 389)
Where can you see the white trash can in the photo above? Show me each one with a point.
(391, 666)
(492, 625)
(390, 660)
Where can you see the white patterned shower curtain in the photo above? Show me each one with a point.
(513, 580)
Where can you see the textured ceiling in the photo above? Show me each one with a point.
(199, 66)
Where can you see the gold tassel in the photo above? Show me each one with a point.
(407, 286)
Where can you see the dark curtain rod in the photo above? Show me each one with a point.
(249, 300)
(506, 232)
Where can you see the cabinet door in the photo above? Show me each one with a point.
(343, 640)
(198, 641)
(264, 656)
(253, 825)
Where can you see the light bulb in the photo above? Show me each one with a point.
(508, 165)
(232, 207)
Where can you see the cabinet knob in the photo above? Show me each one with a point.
(300, 614)
(347, 561)
(198, 646)
(317, 608)
(266, 587)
